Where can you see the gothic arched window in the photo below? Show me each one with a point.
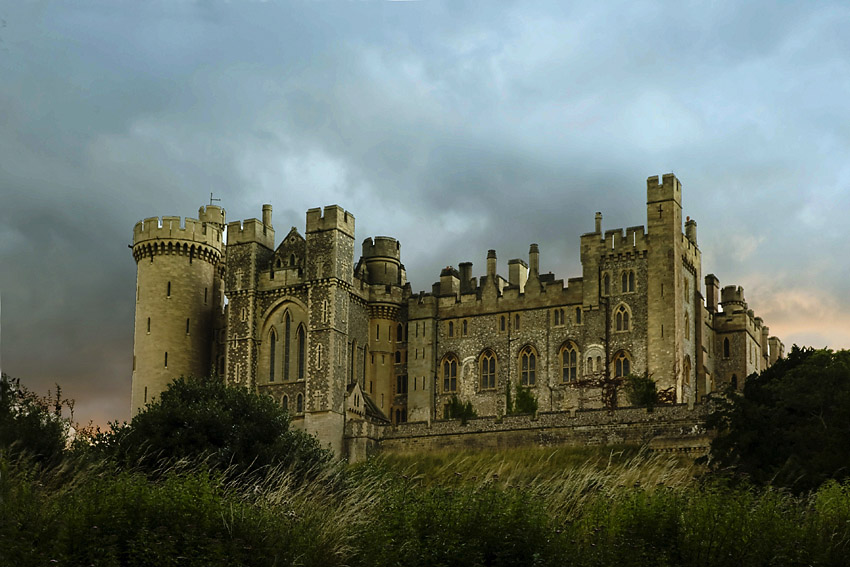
(287, 340)
(606, 285)
(450, 373)
(621, 316)
(285, 403)
(272, 350)
(302, 349)
(569, 356)
(528, 366)
(487, 366)
(578, 315)
(299, 404)
(622, 364)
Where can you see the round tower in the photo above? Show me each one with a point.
(177, 293)
(383, 260)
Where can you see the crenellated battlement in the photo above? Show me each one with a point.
(382, 247)
(250, 231)
(176, 235)
(333, 217)
(668, 188)
(732, 295)
(619, 242)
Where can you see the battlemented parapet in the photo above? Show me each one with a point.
(333, 217)
(381, 257)
(732, 297)
(250, 231)
(174, 235)
(668, 189)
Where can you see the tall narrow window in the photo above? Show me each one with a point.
(465, 327)
(569, 363)
(451, 329)
(168, 290)
(625, 283)
(398, 357)
(622, 364)
(272, 352)
(502, 323)
(377, 332)
(319, 356)
(166, 359)
(146, 394)
(725, 348)
(285, 403)
(735, 381)
(302, 347)
(287, 341)
(631, 281)
(606, 285)
(516, 322)
(488, 370)
(450, 374)
(399, 333)
(149, 324)
(187, 326)
(299, 404)
(206, 295)
(528, 366)
(687, 326)
(578, 315)
(621, 316)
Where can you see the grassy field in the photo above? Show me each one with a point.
(604, 506)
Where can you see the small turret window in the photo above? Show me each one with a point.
(451, 329)
(399, 334)
(285, 403)
(206, 294)
(168, 290)
(149, 324)
(465, 327)
(187, 326)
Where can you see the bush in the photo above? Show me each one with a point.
(202, 419)
(458, 410)
(789, 425)
(525, 401)
(641, 391)
(32, 425)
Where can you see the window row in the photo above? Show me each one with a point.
(400, 332)
(559, 316)
(188, 326)
(627, 282)
(569, 358)
(299, 403)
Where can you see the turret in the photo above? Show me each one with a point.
(382, 257)
(711, 285)
(177, 293)
(732, 298)
(517, 273)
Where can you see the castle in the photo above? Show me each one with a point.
(350, 350)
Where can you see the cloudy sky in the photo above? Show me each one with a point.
(455, 127)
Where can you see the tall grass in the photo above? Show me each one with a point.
(531, 507)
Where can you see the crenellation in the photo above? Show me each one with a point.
(357, 357)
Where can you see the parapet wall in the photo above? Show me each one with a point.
(173, 235)
(333, 217)
(667, 428)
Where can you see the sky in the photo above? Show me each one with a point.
(455, 127)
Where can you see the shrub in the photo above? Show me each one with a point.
(458, 410)
(641, 391)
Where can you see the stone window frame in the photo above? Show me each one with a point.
(449, 365)
(299, 404)
(623, 363)
(284, 403)
(559, 317)
(272, 352)
(570, 366)
(451, 329)
(503, 324)
(488, 355)
(622, 318)
(605, 284)
(464, 328)
(578, 316)
(627, 281)
(527, 358)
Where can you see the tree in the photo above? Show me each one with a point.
(229, 428)
(525, 401)
(641, 391)
(458, 410)
(791, 424)
(31, 424)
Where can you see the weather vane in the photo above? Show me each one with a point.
(211, 198)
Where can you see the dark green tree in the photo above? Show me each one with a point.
(33, 425)
(456, 409)
(525, 401)
(641, 391)
(230, 428)
(791, 424)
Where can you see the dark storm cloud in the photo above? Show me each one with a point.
(456, 127)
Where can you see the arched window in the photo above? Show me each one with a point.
(621, 316)
(622, 364)
(528, 366)
(487, 366)
(272, 350)
(687, 326)
(725, 348)
(465, 327)
(292, 259)
(559, 317)
(569, 362)
(302, 350)
(628, 281)
(606, 285)
(326, 312)
(451, 329)
(399, 333)
(299, 404)
(450, 373)
(285, 403)
(686, 374)
(578, 315)
(319, 356)
(502, 324)
(287, 339)
(631, 281)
